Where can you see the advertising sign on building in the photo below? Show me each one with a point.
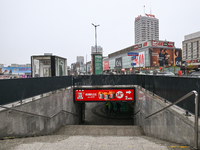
(135, 47)
(106, 65)
(14, 70)
(144, 44)
(98, 64)
(165, 43)
(89, 95)
(118, 63)
(166, 57)
(170, 44)
(140, 60)
(132, 54)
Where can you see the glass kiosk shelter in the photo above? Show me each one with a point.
(48, 65)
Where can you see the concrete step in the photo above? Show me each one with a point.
(92, 137)
(100, 130)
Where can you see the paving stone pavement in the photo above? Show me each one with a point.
(74, 137)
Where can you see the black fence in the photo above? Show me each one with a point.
(170, 88)
(17, 89)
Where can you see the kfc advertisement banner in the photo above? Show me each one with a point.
(89, 95)
(140, 60)
(166, 57)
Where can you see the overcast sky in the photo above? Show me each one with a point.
(63, 27)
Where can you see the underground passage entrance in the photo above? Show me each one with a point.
(96, 113)
(105, 105)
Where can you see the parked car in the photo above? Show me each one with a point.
(151, 72)
(166, 73)
(194, 74)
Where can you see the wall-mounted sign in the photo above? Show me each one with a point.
(92, 95)
(137, 18)
(106, 65)
(150, 15)
(98, 64)
(135, 47)
(118, 63)
(132, 54)
(140, 60)
(166, 57)
(170, 44)
(133, 57)
(144, 44)
(133, 64)
(165, 43)
(14, 70)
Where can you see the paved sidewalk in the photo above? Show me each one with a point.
(91, 137)
(63, 142)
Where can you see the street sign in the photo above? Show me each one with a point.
(132, 54)
(133, 70)
(133, 57)
(133, 64)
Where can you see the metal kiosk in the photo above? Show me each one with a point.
(48, 65)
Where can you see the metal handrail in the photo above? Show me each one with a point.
(196, 113)
(38, 114)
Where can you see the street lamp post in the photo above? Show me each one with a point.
(95, 26)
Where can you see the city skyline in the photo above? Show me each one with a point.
(64, 28)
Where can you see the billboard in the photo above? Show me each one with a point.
(106, 65)
(118, 63)
(93, 95)
(14, 70)
(98, 64)
(166, 57)
(140, 60)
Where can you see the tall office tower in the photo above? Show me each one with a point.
(146, 28)
(191, 47)
(80, 60)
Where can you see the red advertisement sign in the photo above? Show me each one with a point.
(92, 95)
(170, 44)
(106, 65)
(137, 18)
(135, 47)
(154, 43)
(160, 43)
(150, 15)
(144, 44)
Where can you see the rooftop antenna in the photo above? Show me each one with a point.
(150, 8)
(144, 9)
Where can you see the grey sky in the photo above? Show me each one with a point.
(63, 27)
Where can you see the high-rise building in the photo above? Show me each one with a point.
(146, 28)
(80, 60)
(191, 47)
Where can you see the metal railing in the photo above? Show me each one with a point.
(38, 114)
(179, 100)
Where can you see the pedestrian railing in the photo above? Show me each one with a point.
(47, 117)
(195, 93)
